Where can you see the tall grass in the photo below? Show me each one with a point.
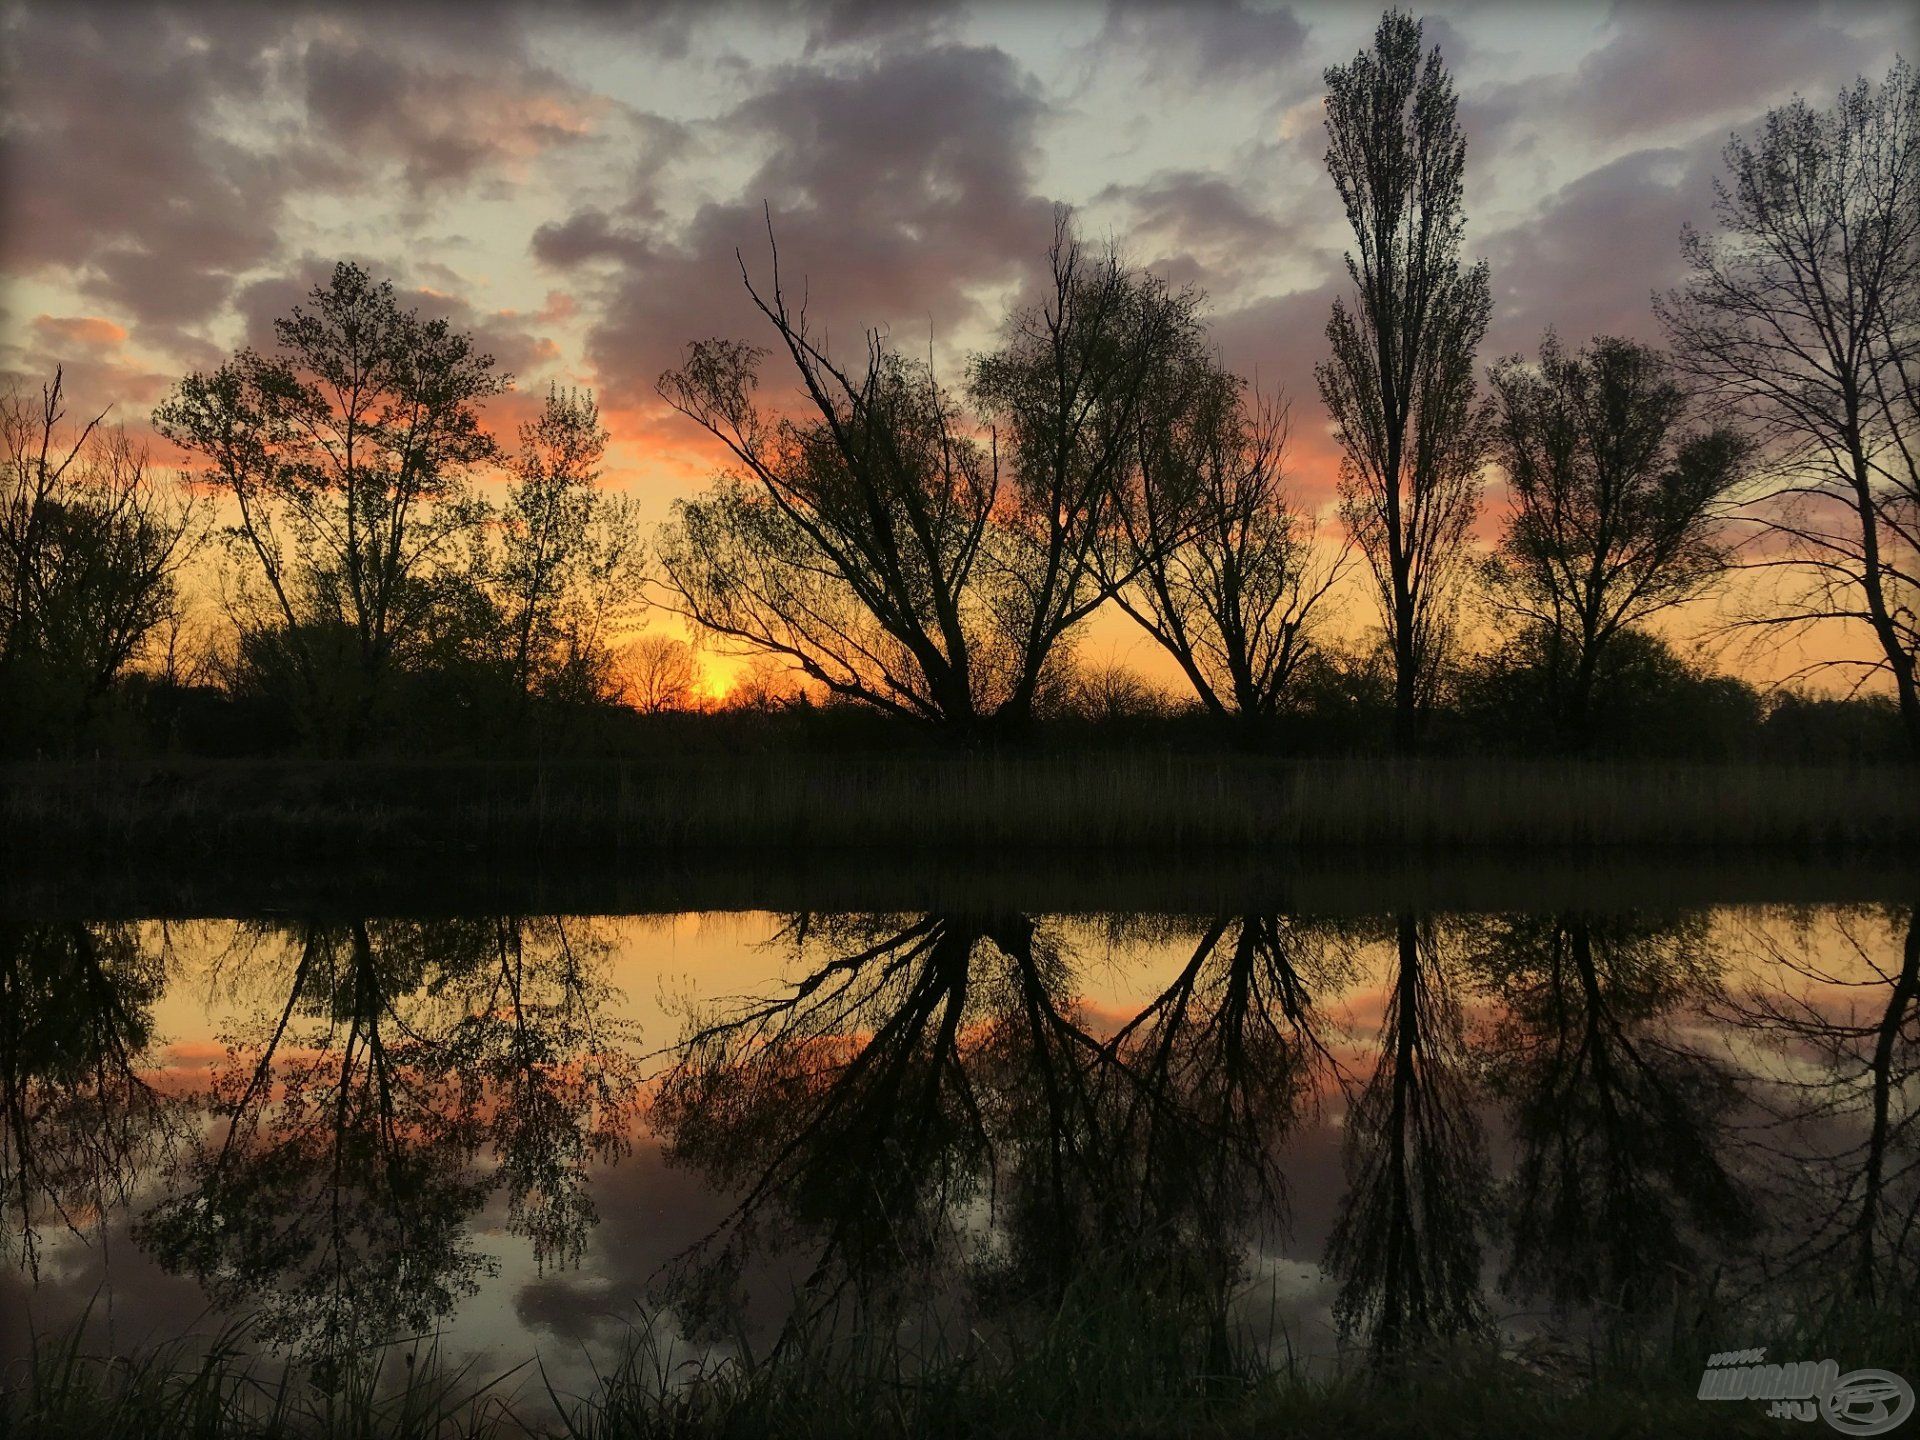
(1104, 1361)
(219, 1388)
(980, 804)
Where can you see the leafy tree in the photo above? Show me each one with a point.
(1400, 382)
(1802, 317)
(1615, 507)
(92, 545)
(570, 559)
(344, 455)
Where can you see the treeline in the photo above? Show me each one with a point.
(914, 550)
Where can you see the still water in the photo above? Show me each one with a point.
(1389, 1114)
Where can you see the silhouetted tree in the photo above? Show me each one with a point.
(883, 548)
(344, 456)
(849, 543)
(1400, 383)
(1615, 508)
(91, 549)
(1803, 317)
(336, 1191)
(570, 555)
(1848, 1141)
(1067, 390)
(926, 1067)
(661, 674)
(1225, 573)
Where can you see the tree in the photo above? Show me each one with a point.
(1067, 389)
(570, 557)
(878, 543)
(345, 456)
(846, 542)
(1615, 507)
(1802, 317)
(91, 549)
(1225, 574)
(661, 674)
(1400, 382)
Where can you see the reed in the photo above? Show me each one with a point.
(1102, 1363)
(1141, 802)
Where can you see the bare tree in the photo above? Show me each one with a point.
(846, 543)
(662, 674)
(878, 544)
(1802, 316)
(1615, 506)
(1226, 575)
(1400, 382)
(345, 456)
(92, 544)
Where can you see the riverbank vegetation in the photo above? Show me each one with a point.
(1116, 800)
(1097, 1365)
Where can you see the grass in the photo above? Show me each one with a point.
(986, 804)
(1098, 1365)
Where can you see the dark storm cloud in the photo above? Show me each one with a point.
(1206, 229)
(1676, 67)
(1671, 64)
(896, 184)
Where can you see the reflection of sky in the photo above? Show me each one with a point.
(651, 1211)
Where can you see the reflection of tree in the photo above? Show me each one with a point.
(1619, 1176)
(75, 1025)
(1406, 1249)
(1849, 1131)
(335, 1193)
(841, 1108)
(1218, 1066)
(935, 1073)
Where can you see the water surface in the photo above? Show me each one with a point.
(1350, 1113)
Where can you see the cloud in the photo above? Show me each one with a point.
(114, 166)
(899, 186)
(1202, 228)
(151, 153)
(1590, 256)
(1676, 64)
(1205, 42)
(441, 122)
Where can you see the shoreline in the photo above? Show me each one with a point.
(937, 809)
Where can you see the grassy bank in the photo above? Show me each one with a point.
(1100, 1371)
(1141, 801)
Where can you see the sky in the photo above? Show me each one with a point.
(572, 182)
